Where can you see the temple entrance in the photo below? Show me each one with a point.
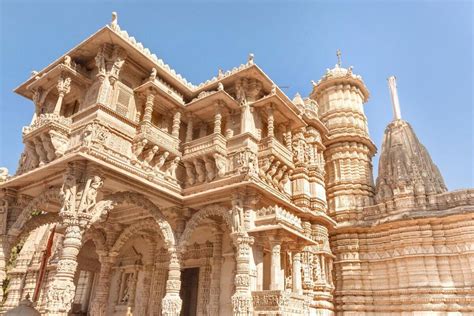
(189, 291)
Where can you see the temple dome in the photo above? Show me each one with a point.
(340, 75)
(24, 308)
(405, 166)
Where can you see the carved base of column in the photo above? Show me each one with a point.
(171, 305)
(242, 304)
(59, 298)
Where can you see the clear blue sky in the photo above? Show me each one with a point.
(426, 44)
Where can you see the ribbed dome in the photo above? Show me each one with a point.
(25, 308)
(405, 166)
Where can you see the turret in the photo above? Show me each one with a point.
(349, 150)
(405, 166)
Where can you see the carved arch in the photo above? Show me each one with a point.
(97, 237)
(51, 194)
(103, 207)
(132, 231)
(31, 225)
(200, 216)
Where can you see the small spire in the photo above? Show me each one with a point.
(250, 59)
(392, 85)
(114, 22)
(338, 54)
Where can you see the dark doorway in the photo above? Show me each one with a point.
(189, 291)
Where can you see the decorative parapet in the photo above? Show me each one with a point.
(159, 137)
(276, 215)
(280, 303)
(52, 120)
(130, 39)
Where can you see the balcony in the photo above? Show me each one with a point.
(270, 146)
(158, 137)
(279, 303)
(205, 159)
(46, 139)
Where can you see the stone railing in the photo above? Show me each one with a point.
(271, 146)
(205, 159)
(279, 303)
(160, 138)
(276, 215)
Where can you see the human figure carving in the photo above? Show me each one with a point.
(91, 194)
(149, 155)
(171, 171)
(161, 161)
(137, 149)
(272, 171)
(209, 164)
(221, 163)
(201, 176)
(267, 162)
(68, 191)
(278, 176)
(190, 177)
(152, 74)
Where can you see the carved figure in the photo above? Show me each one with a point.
(221, 163)
(278, 176)
(149, 155)
(171, 171)
(220, 86)
(237, 215)
(91, 194)
(127, 290)
(67, 61)
(272, 171)
(152, 74)
(201, 176)
(137, 149)
(209, 164)
(190, 177)
(161, 161)
(284, 180)
(267, 162)
(68, 191)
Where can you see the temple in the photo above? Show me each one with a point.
(140, 193)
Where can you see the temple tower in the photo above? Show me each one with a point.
(406, 171)
(349, 150)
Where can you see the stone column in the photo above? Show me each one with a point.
(99, 303)
(275, 269)
(242, 298)
(270, 122)
(213, 308)
(189, 129)
(176, 124)
(61, 291)
(296, 276)
(288, 138)
(64, 87)
(5, 250)
(147, 113)
(171, 304)
(218, 120)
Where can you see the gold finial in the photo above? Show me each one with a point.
(338, 54)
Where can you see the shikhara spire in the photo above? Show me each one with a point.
(392, 85)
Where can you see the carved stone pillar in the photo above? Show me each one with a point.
(213, 308)
(296, 277)
(78, 194)
(4, 257)
(64, 87)
(242, 298)
(147, 113)
(218, 120)
(171, 304)
(189, 129)
(270, 122)
(61, 291)
(275, 268)
(99, 303)
(288, 138)
(176, 124)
